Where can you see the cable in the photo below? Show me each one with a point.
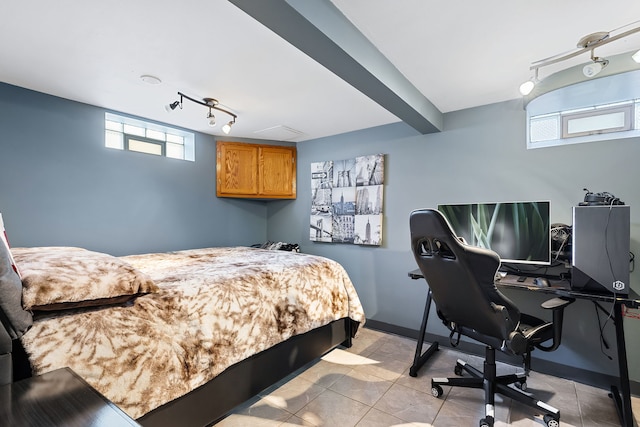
(613, 275)
(603, 341)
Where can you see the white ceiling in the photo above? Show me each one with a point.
(457, 54)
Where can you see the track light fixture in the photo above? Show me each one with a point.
(212, 104)
(590, 70)
(173, 105)
(227, 127)
(527, 87)
(587, 43)
(212, 118)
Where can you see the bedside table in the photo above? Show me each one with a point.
(58, 398)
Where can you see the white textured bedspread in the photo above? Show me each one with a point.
(215, 307)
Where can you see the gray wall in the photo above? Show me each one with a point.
(480, 156)
(59, 185)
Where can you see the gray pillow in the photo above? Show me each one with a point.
(13, 317)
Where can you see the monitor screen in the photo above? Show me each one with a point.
(520, 232)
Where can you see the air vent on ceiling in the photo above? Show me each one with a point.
(279, 133)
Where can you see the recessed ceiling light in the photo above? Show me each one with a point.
(152, 80)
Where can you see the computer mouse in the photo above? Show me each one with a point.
(541, 282)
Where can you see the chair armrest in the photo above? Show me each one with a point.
(557, 305)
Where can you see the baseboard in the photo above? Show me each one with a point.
(583, 376)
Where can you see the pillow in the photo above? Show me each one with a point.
(13, 317)
(5, 239)
(55, 278)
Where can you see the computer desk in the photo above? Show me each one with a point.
(620, 393)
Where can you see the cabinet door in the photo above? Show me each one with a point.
(236, 170)
(277, 172)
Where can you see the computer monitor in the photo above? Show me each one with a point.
(600, 250)
(520, 232)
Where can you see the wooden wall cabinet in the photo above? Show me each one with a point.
(255, 171)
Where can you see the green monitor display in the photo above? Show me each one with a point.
(520, 232)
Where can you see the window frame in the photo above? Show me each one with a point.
(627, 109)
(630, 129)
(144, 139)
(187, 146)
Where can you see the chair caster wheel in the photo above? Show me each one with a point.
(522, 386)
(457, 370)
(550, 421)
(486, 422)
(436, 390)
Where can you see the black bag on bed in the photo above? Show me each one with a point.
(281, 246)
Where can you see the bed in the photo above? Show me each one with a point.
(177, 338)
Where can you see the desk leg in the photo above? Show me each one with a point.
(622, 398)
(419, 359)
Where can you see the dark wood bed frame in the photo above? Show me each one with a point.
(212, 401)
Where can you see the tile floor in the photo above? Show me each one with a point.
(369, 385)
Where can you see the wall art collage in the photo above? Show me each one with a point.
(346, 200)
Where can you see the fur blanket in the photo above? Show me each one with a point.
(214, 307)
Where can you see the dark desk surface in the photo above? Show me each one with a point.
(58, 398)
(558, 288)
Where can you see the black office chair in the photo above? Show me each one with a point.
(461, 279)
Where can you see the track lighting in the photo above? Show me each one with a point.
(173, 106)
(227, 128)
(212, 104)
(527, 87)
(212, 118)
(590, 70)
(587, 43)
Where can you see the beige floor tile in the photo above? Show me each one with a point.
(596, 407)
(325, 373)
(399, 347)
(376, 418)
(368, 385)
(635, 408)
(361, 386)
(409, 405)
(367, 341)
(259, 414)
(294, 421)
(469, 403)
(293, 395)
(387, 366)
(333, 409)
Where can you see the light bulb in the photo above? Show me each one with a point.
(172, 106)
(527, 87)
(212, 119)
(592, 69)
(227, 128)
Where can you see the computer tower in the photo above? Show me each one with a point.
(600, 248)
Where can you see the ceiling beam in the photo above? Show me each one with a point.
(321, 31)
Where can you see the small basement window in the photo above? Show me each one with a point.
(129, 134)
(602, 109)
(610, 118)
(559, 128)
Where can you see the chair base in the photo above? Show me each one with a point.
(492, 383)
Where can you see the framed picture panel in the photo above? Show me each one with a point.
(347, 200)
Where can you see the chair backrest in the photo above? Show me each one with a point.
(461, 277)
